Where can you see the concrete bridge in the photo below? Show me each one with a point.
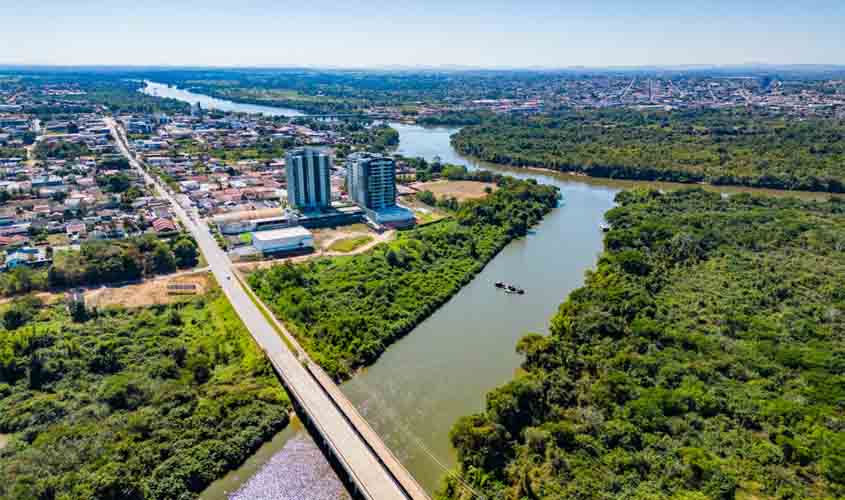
(362, 460)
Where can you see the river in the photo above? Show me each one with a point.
(443, 369)
(208, 102)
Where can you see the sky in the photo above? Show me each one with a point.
(481, 33)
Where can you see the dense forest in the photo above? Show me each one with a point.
(720, 147)
(703, 358)
(127, 405)
(346, 310)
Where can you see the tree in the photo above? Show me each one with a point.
(117, 183)
(427, 197)
(163, 260)
(185, 253)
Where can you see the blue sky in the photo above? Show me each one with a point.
(435, 32)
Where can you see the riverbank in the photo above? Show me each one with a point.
(620, 183)
(722, 149)
(345, 312)
(678, 334)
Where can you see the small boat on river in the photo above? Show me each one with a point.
(512, 289)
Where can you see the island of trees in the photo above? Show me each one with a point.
(704, 358)
(719, 147)
(346, 311)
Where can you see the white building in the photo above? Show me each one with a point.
(283, 240)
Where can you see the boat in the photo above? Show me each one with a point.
(512, 289)
(605, 228)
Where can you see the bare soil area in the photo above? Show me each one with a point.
(150, 292)
(462, 190)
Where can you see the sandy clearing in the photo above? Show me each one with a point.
(462, 190)
(150, 292)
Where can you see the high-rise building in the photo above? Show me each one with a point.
(371, 180)
(308, 172)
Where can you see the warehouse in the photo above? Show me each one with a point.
(289, 239)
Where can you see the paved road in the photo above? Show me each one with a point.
(357, 456)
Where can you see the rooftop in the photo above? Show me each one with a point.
(288, 232)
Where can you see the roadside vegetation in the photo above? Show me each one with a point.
(718, 147)
(149, 403)
(345, 311)
(703, 359)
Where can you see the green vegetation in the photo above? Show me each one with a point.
(148, 404)
(117, 183)
(120, 260)
(455, 118)
(704, 358)
(12, 152)
(719, 147)
(379, 138)
(111, 91)
(347, 245)
(114, 163)
(60, 150)
(264, 150)
(99, 262)
(346, 310)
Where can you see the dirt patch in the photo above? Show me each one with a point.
(165, 290)
(4, 440)
(46, 297)
(462, 190)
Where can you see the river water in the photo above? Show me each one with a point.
(442, 370)
(208, 102)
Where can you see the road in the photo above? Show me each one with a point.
(364, 460)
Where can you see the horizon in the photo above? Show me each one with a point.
(444, 67)
(370, 35)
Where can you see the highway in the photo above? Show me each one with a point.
(369, 465)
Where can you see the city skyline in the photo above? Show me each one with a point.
(414, 34)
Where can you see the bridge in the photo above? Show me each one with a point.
(362, 116)
(363, 462)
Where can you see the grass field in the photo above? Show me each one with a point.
(349, 244)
